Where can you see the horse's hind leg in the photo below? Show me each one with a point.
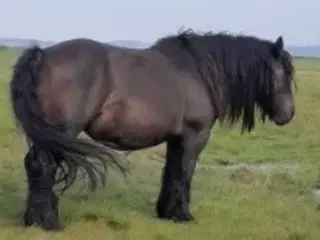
(42, 203)
(182, 154)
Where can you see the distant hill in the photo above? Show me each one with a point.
(130, 44)
(23, 43)
(301, 51)
(305, 51)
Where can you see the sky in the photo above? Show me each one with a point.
(298, 21)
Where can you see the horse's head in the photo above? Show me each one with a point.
(279, 104)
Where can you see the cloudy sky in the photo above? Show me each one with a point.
(146, 20)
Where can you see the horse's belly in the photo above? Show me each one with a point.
(137, 124)
(136, 137)
(133, 134)
(143, 124)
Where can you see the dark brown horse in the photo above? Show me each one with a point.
(130, 99)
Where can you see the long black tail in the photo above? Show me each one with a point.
(49, 138)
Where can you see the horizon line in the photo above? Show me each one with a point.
(132, 40)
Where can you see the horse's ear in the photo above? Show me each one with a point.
(277, 47)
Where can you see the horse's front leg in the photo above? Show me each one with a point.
(182, 153)
(42, 203)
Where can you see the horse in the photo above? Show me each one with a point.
(172, 92)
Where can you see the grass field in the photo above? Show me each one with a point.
(229, 202)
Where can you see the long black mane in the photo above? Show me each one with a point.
(236, 68)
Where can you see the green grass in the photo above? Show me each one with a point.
(228, 203)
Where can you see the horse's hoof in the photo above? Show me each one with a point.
(46, 220)
(178, 216)
(184, 217)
